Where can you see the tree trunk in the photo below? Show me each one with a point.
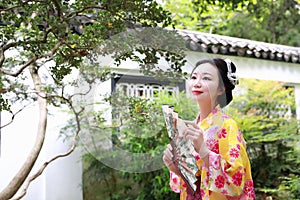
(18, 180)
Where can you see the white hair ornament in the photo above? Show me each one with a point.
(233, 78)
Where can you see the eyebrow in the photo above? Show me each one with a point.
(205, 73)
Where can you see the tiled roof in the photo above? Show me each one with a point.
(219, 44)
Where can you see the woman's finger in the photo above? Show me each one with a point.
(192, 123)
(191, 137)
(168, 152)
(168, 156)
(193, 134)
(193, 131)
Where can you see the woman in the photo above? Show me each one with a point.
(220, 150)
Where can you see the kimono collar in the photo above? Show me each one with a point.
(215, 115)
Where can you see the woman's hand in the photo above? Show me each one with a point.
(167, 158)
(195, 134)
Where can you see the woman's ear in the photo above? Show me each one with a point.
(221, 90)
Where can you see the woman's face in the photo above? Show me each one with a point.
(204, 84)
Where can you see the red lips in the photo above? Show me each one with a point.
(196, 92)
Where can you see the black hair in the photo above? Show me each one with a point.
(221, 65)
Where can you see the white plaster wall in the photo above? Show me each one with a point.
(61, 179)
(17, 140)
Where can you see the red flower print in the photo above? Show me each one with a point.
(216, 148)
(249, 189)
(234, 153)
(220, 181)
(222, 133)
(207, 174)
(197, 157)
(214, 111)
(224, 192)
(237, 178)
(206, 180)
(213, 145)
(175, 180)
(215, 163)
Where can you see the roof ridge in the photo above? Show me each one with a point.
(235, 38)
(228, 45)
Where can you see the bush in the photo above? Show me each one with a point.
(142, 130)
(265, 114)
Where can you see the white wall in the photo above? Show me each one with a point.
(17, 140)
(61, 179)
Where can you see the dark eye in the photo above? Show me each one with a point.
(206, 78)
(193, 77)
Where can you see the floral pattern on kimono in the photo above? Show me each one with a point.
(228, 174)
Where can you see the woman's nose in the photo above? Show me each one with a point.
(198, 83)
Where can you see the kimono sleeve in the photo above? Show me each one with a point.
(228, 161)
(174, 182)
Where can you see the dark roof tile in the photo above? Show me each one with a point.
(220, 44)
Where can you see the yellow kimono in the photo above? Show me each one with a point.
(228, 174)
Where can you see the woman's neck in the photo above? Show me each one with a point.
(205, 110)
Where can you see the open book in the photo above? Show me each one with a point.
(183, 157)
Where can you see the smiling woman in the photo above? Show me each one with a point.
(224, 170)
(204, 86)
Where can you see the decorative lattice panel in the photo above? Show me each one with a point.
(145, 90)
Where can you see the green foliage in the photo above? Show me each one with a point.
(205, 16)
(267, 21)
(102, 182)
(57, 36)
(183, 14)
(264, 113)
(4, 105)
(142, 130)
(289, 187)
